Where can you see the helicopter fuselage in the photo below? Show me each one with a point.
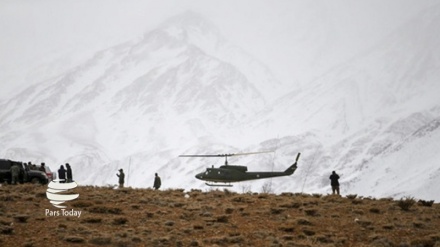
(229, 174)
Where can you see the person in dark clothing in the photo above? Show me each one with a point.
(62, 174)
(157, 182)
(334, 178)
(121, 176)
(42, 167)
(69, 173)
(29, 166)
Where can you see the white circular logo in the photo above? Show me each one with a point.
(55, 192)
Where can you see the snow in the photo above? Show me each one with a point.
(184, 88)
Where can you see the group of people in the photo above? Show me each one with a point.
(334, 178)
(16, 170)
(65, 174)
(29, 166)
(121, 176)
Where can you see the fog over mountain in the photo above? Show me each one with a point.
(184, 87)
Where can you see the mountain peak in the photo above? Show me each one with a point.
(188, 25)
(191, 20)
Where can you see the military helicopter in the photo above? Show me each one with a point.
(227, 174)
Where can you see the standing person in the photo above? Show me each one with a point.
(157, 182)
(121, 176)
(25, 174)
(15, 172)
(62, 174)
(42, 167)
(334, 178)
(69, 173)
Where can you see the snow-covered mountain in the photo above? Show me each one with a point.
(183, 88)
(369, 113)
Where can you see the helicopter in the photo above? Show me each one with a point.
(227, 174)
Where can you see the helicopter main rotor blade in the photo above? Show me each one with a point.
(223, 155)
(261, 152)
(204, 155)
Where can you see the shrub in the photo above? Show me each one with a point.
(323, 239)
(101, 240)
(363, 223)
(352, 196)
(418, 224)
(426, 203)
(81, 204)
(357, 201)
(21, 218)
(74, 239)
(120, 221)
(266, 188)
(303, 221)
(276, 210)
(375, 210)
(406, 203)
(169, 223)
(7, 230)
(222, 219)
(286, 228)
(311, 212)
(105, 210)
(309, 232)
(229, 210)
(291, 205)
(316, 195)
(388, 227)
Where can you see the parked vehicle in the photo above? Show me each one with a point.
(26, 175)
(50, 174)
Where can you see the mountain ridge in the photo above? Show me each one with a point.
(140, 104)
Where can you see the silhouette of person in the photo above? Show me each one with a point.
(69, 173)
(157, 182)
(15, 172)
(121, 176)
(62, 174)
(42, 167)
(334, 178)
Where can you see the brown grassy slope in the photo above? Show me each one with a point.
(143, 217)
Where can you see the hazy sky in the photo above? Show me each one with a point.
(295, 39)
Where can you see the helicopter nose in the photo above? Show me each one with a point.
(199, 176)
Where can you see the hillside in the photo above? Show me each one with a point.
(143, 217)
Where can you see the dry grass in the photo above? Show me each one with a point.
(144, 217)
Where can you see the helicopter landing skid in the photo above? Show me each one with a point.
(219, 185)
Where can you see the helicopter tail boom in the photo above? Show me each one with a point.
(293, 167)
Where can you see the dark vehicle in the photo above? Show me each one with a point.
(227, 174)
(50, 174)
(33, 176)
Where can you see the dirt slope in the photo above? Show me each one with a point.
(143, 217)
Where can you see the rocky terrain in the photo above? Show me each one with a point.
(144, 217)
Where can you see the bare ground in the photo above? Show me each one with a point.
(144, 217)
